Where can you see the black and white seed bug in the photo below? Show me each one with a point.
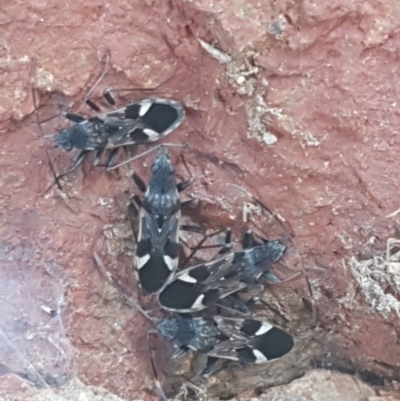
(248, 266)
(144, 121)
(254, 260)
(141, 122)
(197, 334)
(159, 216)
(251, 341)
(199, 286)
(248, 341)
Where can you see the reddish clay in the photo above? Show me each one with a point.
(318, 81)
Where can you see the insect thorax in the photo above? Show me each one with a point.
(161, 206)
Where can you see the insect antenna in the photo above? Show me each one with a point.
(107, 93)
(160, 390)
(146, 152)
(234, 168)
(127, 298)
(133, 304)
(289, 237)
(32, 72)
(35, 105)
(226, 246)
(184, 184)
(105, 60)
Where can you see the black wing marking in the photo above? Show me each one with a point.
(251, 341)
(144, 121)
(199, 286)
(156, 256)
(271, 345)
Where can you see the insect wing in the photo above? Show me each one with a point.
(156, 256)
(199, 286)
(253, 262)
(231, 328)
(273, 344)
(144, 121)
(226, 350)
(254, 341)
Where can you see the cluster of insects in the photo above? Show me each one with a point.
(192, 294)
(195, 295)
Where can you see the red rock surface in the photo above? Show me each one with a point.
(322, 385)
(302, 109)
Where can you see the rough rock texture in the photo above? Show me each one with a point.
(295, 101)
(322, 385)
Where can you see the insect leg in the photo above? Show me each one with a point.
(128, 300)
(184, 184)
(111, 158)
(109, 99)
(213, 366)
(78, 160)
(248, 240)
(234, 305)
(181, 186)
(193, 229)
(160, 390)
(57, 182)
(133, 215)
(146, 152)
(56, 178)
(106, 66)
(108, 91)
(272, 279)
(139, 182)
(93, 105)
(225, 247)
(288, 237)
(33, 68)
(112, 155)
(97, 156)
(75, 118)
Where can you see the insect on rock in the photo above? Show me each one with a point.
(242, 340)
(140, 122)
(199, 286)
(159, 217)
(208, 283)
